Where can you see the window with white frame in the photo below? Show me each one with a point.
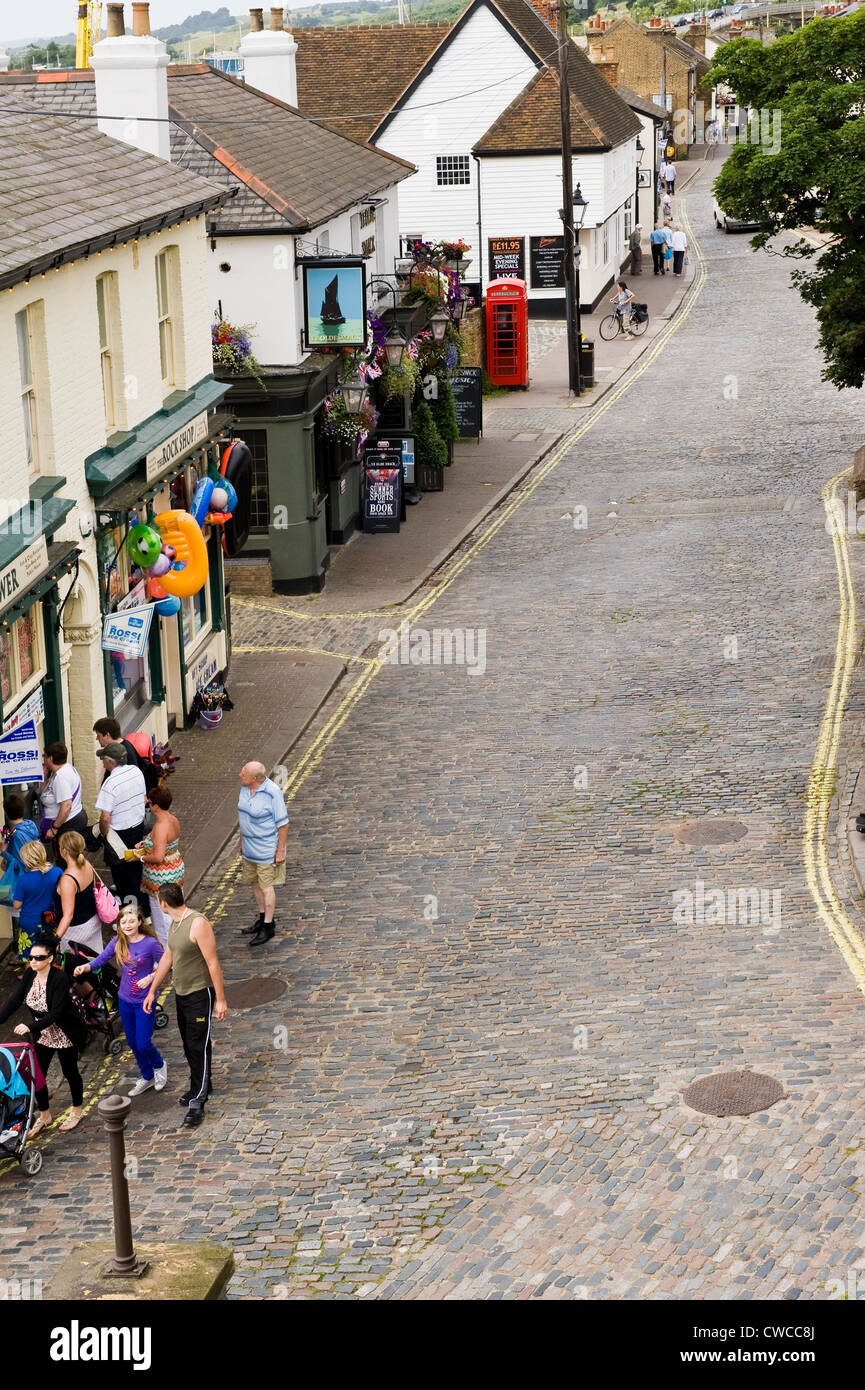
(628, 221)
(165, 311)
(109, 356)
(195, 614)
(22, 661)
(25, 327)
(452, 169)
(606, 242)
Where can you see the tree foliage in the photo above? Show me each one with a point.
(811, 171)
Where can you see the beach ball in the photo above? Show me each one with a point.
(168, 606)
(161, 565)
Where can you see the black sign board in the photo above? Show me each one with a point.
(383, 505)
(507, 256)
(547, 254)
(466, 384)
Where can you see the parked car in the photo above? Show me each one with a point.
(731, 224)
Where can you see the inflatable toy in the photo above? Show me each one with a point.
(168, 606)
(155, 589)
(161, 565)
(181, 530)
(235, 467)
(201, 499)
(143, 545)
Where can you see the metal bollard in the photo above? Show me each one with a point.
(114, 1111)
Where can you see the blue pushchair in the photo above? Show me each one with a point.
(18, 1083)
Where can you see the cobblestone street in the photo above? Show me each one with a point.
(472, 1083)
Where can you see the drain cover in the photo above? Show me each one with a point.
(717, 830)
(733, 1093)
(246, 994)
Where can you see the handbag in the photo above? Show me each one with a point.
(668, 254)
(9, 880)
(107, 906)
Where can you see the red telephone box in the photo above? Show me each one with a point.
(507, 325)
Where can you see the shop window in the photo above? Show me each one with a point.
(108, 315)
(452, 169)
(168, 305)
(195, 614)
(123, 586)
(629, 217)
(30, 331)
(21, 659)
(256, 442)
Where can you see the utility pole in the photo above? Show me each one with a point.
(572, 306)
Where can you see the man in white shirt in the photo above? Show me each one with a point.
(121, 804)
(62, 806)
(670, 176)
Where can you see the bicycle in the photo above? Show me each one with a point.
(613, 324)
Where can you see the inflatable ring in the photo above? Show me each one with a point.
(235, 466)
(201, 499)
(180, 529)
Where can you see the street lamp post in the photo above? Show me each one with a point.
(572, 303)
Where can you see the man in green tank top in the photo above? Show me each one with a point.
(199, 992)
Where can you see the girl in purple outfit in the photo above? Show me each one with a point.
(136, 953)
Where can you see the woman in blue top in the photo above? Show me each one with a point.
(17, 832)
(136, 952)
(35, 896)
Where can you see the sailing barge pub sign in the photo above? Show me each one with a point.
(334, 303)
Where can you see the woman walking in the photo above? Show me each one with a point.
(680, 246)
(160, 855)
(35, 897)
(136, 954)
(55, 1027)
(79, 920)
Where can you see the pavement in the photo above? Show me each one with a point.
(491, 988)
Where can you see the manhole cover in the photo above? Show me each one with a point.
(246, 994)
(716, 830)
(733, 1093)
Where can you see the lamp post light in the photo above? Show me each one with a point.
(458, 308)
(438, 323)
(354, 394)
(394, 347)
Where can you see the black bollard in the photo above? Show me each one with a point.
(114, 1111)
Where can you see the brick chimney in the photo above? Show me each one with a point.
(131, 82)
(609, 71)
(269, 57)
(548, 11)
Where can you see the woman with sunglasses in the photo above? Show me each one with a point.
(55, 1026)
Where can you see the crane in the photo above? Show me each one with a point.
(88, 31)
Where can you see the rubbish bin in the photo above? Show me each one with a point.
(587, 361)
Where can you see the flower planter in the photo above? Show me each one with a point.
(430, 477)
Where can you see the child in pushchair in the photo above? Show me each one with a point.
(20, 1078)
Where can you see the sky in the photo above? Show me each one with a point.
(27, 19)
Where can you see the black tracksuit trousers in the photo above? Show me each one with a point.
(195, 1020)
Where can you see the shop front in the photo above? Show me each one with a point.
(32, 570)
(152, 690)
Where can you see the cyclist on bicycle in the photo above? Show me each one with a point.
(623, 299)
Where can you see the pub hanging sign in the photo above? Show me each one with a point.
(334, 303)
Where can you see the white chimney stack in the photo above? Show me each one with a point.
(132, 83)
(268, 58)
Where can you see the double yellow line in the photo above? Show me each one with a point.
(824, 770)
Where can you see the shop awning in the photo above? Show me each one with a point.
(116, 463)
(24, 537)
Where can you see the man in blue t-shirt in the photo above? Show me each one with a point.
(658, 243)
(263, 822)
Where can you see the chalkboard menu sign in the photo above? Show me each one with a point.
(382, 486)
(507, 256)
(466, 384)
(547, 255)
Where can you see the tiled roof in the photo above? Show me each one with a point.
(600, 117)
(534, 30)
(290, 172)
(66, 186)
(674, 44)
(638, 103)
(368, 68)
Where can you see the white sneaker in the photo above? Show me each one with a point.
(140, 1085)
(160, 1076)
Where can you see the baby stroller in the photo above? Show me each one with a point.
(99, 1009)
(20, 1077)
